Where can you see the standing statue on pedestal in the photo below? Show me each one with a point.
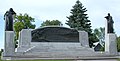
(109, 24)
(9, 17)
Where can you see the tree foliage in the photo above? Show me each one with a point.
(22, 22)
(118, 44)
(26, 20)
(1, 52)
(79, 20)
(53, 22)
(100, 33)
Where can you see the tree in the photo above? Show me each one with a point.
(79, 20)
(1, 52)
(53, 22)
(22, 22)
(118, 44)
(100, 34)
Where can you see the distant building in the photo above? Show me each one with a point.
(98, 46)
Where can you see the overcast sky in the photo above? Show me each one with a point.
(43, 10)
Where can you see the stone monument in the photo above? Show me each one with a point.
(49, 39)
(9, 48)
(49, 42)
(110, 37)
(55, 42)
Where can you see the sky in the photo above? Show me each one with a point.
(43, 10)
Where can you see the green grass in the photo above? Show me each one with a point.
(34, 60)
(118, 59)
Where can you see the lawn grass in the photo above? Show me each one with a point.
(34, 60)
(118, 59)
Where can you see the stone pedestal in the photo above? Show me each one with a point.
(110, 44)
(24, 40)
(83, 38)
(9, 46)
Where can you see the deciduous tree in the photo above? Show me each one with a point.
(49, 23)
(22, 22)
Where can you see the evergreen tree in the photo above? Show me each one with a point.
(79, 20)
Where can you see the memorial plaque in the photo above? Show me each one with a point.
(55, 34)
